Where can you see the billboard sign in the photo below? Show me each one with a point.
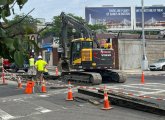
(115, 18)
(154, 18)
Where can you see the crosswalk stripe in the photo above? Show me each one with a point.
(5, 116)
(43, 110)
(141, 87)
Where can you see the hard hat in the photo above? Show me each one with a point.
(39, 57)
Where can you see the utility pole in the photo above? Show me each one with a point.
(144, 65)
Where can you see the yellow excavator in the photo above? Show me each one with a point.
(83, 59)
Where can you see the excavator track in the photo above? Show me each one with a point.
(86, 77)
(110, 76)
(95, 77)
(122, 77)
(113, 76)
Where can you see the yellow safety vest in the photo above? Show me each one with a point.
(46, 70)
(31, 61)
(40, 65)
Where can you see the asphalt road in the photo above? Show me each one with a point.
(16, 105)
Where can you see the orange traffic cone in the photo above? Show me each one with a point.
(19, 83)
(69, 95)
(56, 71)
(106, 102)
(142, 78)
(43, 87)
(27, 89)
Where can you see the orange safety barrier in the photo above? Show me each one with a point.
(3, 74)
(29, 87)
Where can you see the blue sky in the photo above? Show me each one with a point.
(49, 8)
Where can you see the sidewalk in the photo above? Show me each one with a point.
(139, 72)
(51, 67)
(52, 70)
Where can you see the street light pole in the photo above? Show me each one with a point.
(144, 65)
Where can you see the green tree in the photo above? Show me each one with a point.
(97, 27)
(13, 33)
(25, 27)
(56, 27)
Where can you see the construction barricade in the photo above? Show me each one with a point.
(29, 87)
(3, 75)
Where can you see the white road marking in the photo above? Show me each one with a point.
(134, 91)
(62, 91)
(148, 84)
(65, 108)
(147, 93)
(15, 99)
(141, 87)
(139, 92)
(43, 110)
(5, 116)
(46, 95)
(3, 100)
(57, 91)
(18, 100)
(34, 113)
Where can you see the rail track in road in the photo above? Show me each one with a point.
(148, 97)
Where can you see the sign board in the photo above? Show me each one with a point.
(49, 49)
(115, 18)
(154, 18)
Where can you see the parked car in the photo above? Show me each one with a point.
(24, 67)
(6, 64)
(158, 65)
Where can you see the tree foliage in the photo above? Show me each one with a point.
(97, 27)
(56, 27)
(25, 27)
(7, 6)
(14, 33)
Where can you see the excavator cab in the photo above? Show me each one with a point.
(81, 50)
(84, 56)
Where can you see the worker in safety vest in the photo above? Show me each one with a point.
(40, 66)
(46, 71)
(31, 70)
